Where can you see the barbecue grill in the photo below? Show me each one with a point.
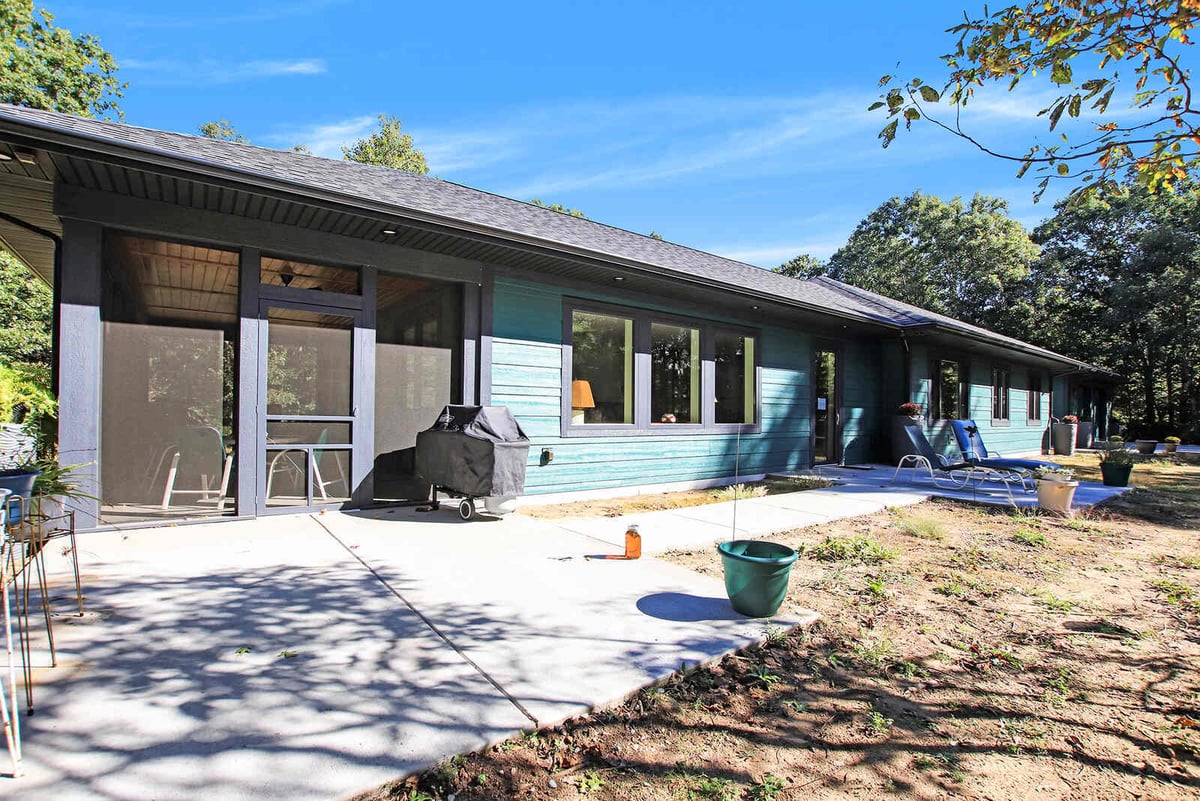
(474, 452)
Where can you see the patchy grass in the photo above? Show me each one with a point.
(917, 524)
(736, 492)
(855, 550)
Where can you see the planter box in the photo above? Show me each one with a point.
(1064, 435)
(1083, 437)
(1146, 446)
(1116, 475)
(901, 444)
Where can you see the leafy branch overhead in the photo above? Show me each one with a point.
(1090, 50)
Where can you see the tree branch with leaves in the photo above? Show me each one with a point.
(1088, 49)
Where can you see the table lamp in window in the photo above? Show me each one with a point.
(581, 401)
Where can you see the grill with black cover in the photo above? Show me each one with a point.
(473, 452)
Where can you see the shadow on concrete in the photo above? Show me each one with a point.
(684, 608)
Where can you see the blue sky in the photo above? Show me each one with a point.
(740, 129)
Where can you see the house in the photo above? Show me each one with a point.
(243, 331)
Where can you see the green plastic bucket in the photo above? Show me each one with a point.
(756, 575)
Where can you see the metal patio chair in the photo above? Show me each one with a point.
(945, 474)
(201, 455)
(970, 442)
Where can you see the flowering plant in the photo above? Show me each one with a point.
(909, 409)
(1070, 418)
(1054, 473)
(1172, 440)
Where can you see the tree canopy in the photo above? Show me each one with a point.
(25, 311)
(1092, 52)
(1121, 285)
(388, 147)
(46, 67)
(560, 208)
(969, 261)
(223, 129)
(803, 266)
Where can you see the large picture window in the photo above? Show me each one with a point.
(634, 371)
(674, 374)
(735, 378)
(601, 369)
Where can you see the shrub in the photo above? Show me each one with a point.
(909, 409)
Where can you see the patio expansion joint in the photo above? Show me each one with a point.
(430, 624)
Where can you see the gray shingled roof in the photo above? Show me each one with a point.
(405, 193)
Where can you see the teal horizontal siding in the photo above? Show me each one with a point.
(1019, 435)
(526, 373)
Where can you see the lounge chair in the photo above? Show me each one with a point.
(970, 442)
(951, 475)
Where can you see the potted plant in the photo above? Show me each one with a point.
(1116, 463)
(1065, 432)
(27, 406)
(1146, 446)
(907, 414)
(1170, 444)
(1056, 489)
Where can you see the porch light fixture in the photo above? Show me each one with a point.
(618, 278)
(389, 231)
(26, 156)
(286, 275)
(4, 156)
(581, 401)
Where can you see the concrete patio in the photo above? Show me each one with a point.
(316, 656)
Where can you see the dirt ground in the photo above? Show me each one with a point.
(963, 652)
(654, 502)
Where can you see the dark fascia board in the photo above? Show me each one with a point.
(138, 157)
(1025, 348)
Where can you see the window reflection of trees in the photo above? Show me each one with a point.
(674, 374)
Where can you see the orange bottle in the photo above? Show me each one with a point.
(633, 542)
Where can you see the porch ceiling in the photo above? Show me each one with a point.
(27, 193)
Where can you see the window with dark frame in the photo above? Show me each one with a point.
(1000, 388)
(601, 369)
(951, 390)
(637, 369)
(1035, 396)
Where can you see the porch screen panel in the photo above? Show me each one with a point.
(168, 380)
(418, 343)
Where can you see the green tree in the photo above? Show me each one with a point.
(44, 66)
(1123, 290)
(803, 266)
(968, 261)
(1089, 50)
(26, 307)
(223, 129)
(561, 209)
(388, 147)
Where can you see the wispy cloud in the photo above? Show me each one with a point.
(776, 253)
(171, 72)
(325, 139)
(642, 142)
